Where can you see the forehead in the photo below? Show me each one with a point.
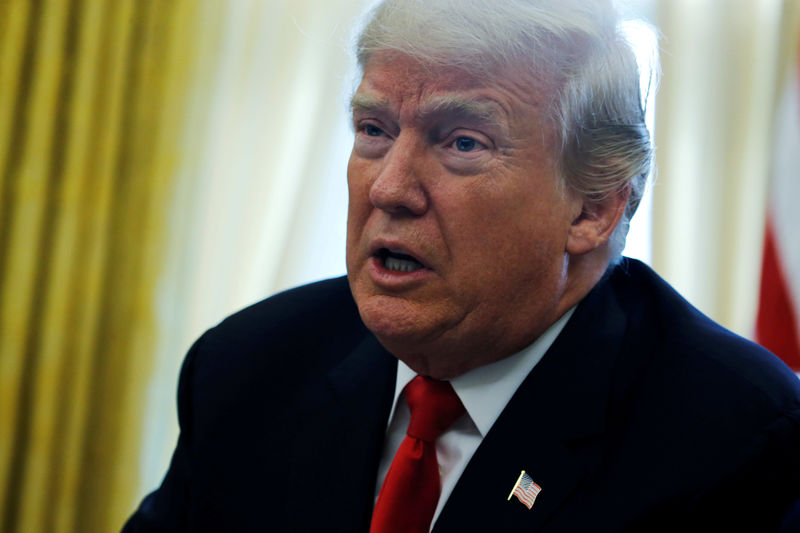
(396, 83)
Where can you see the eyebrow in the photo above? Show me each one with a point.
(456, 105)
(364, 103)
(479, 110)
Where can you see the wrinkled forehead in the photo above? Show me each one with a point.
(392, 81)
(389, 71)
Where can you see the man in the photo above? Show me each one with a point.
(499, 154)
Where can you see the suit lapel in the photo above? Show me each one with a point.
(338, 440)
(546, 428)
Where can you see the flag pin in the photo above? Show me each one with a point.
(525, 490)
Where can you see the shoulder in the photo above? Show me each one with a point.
(241, 384)
(301, 316)
(696, 367)
(698, 409)
(268, 348)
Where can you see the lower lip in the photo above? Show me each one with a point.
(394, 279)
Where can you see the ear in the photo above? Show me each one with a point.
(596, 221)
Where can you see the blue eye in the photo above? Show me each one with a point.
(373, 131)
(465, 144)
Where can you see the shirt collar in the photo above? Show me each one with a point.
(486, 390)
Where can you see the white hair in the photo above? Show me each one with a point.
(596, 108)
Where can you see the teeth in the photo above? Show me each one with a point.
(401, 265)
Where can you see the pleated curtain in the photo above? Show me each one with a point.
(723, 63)
(91, 105)
(165, 162)
(162, 164)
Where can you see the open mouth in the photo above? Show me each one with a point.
(398, 261)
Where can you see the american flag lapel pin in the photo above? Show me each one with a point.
(525, 490)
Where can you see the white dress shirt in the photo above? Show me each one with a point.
(484, 391)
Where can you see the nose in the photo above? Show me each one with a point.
(397, 189)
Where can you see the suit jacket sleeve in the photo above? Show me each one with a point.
(166, 509)
(285, 397)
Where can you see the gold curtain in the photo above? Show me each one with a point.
(722, 64)
(91, 110)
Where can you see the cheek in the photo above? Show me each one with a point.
(503, 231)
(353, 175)
(358, 192)
(482, 214)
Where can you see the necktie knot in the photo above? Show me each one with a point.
(434, 407)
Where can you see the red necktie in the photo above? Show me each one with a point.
(410, 492)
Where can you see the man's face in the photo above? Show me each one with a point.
(457, 227)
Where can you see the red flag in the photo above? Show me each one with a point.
(777, 324)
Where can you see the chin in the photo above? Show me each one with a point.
(415, 334)
(389, 317)
(397, 323)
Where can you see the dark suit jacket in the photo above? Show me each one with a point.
(644, 415)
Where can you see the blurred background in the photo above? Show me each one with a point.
(164, 163)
